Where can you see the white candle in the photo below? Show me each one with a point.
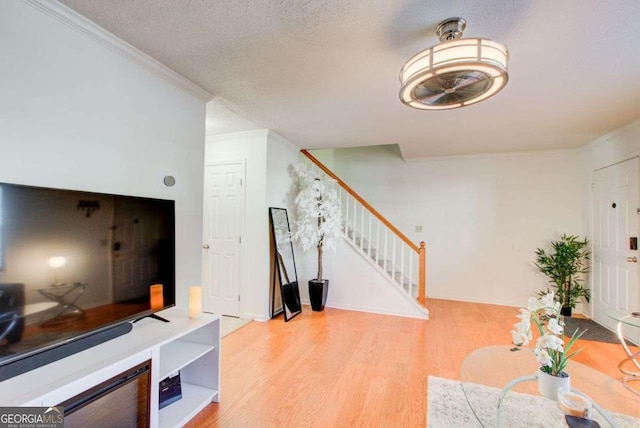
(195, 302)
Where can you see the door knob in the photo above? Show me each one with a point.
(633, 259)
(205, 246)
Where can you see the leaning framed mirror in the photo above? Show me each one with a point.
(285, 276)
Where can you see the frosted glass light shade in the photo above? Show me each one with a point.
(195, 302)
(483, 60)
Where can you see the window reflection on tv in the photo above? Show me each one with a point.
(72, 262)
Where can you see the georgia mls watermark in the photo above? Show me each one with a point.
(32, 417)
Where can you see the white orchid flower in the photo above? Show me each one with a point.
(554, 327)
(549, 347)
(533, 304)
(521, 334)
(543, 357)
(547, 300)
(519, 339)
(550, 341)
(548, 304)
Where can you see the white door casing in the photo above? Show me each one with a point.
(615, 213)
(223, 226)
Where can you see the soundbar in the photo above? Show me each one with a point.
(47, 356)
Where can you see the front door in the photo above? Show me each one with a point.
(223, 225)
(615, 267)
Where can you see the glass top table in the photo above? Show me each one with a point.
(629, 318)
(65, 296)
(630, 366)
(487, 371)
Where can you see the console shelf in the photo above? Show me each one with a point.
(195, 354)
(194, 399)
(179, 353)
(191, 346)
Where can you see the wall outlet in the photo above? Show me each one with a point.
(418, 228)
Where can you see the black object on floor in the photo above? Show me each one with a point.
(318, 294)
(575, 422)
(594, 332)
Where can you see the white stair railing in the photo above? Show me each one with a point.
(366, 229)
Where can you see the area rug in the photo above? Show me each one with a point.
(594, 331)
(230, 324)
(447, 407)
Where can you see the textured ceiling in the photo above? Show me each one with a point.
(324, 73)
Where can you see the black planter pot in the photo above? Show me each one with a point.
(318, 294)
(565, 311)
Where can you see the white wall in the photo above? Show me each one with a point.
(617, 146)
(281, 185)
(482, 216)
(76, 114)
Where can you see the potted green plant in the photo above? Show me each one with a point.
(564, 264)
(318, 225)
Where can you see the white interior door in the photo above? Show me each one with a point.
(615, 267)
(135, 230)
(223, 226)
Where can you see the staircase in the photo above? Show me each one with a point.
(401, 261)
(408, 280)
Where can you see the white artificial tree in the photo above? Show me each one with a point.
(319, 218)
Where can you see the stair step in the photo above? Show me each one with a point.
(359, 239)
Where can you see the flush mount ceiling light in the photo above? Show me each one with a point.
(455, 73)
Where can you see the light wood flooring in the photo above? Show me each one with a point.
(351, 369)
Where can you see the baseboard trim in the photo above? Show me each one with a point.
(377, 311)
(469, 300)
(255, 317)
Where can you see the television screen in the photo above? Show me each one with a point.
(74, 262)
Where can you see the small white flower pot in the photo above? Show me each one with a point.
(548, 385)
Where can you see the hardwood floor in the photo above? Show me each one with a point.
(351, 369)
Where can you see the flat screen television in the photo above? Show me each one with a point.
(75, 263)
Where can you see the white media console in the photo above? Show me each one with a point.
(189, 345)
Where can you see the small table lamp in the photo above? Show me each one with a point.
(56, 263)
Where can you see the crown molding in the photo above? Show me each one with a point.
(101, 36)
(279, 138)
(613, 135)
(256, 133)
(495, 155)
(265, 133)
